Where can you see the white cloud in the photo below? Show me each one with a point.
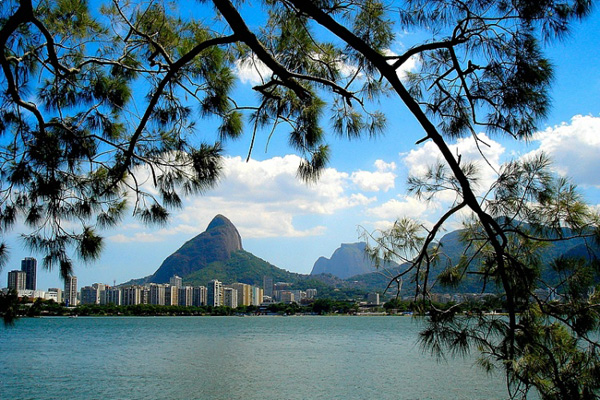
(252, 70)
(261, 198)
(381, 180)
(404, 206)
(382, 166)
(574, 148)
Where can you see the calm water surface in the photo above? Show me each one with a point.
(230, 358)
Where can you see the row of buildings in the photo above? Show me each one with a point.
(174, 293)
(26, 277)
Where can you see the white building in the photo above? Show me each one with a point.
(199, 294)
(55, 294)
(214, 293)
(131, 295)
(257, 296)
(157, 294)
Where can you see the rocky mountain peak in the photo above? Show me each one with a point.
(220, 239)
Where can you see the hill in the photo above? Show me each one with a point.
(216, 244)
(243, 267)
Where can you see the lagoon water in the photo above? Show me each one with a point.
(230, 358)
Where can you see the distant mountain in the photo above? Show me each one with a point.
(216, 244)
(347, 260)
(217, 253)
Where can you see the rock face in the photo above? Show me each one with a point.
(346, 261)
(220, 239)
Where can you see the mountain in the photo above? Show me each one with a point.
(216, 244)
(217, 253)
(347, 260)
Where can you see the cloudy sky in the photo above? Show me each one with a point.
(291, 224)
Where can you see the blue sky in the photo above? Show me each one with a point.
(291, 224)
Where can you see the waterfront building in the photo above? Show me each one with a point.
(171, 295)
(286, 296)
(268, 286)
(186, 296)
(70, 293)
(17, 280)
(89, 295)
(92, 294)
(55, 294)
(257, 295)
(131, 295)
(29, 266)
(214, 293)
(230, 298)
(244, 294)
(199, 294)
(111, 295)
(157, 294)
(144, 295)
(311, 293)
(176, 281)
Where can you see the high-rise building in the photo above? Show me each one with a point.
(70, 292)
(311, 293)
(176, 281)
(144, 295)
(131, 295)
(186, 296)
(214, 293)
(257, 296)
(171, 295)
(89, 295)
(111, 295)
(157, 294)
(230, 297)
(244, 294)
(17, 280)
(92, 294)
(268, 286)
(199, 294)
(29, 266)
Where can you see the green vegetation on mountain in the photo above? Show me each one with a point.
(243, 267)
